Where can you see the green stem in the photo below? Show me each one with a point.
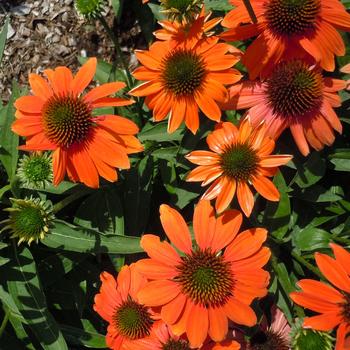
(4, 322)
(250, 10)
(305, 263)
(70, 199)
(118, 50)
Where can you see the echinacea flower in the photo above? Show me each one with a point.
(197, 29)
(237, 158)
(35, 170)
(332, 302)
(307, 338)
(181, 80)
(273, 336)
(59, 118)
(210, 282)
(130, 322)
(288, 28)
(29, 219)
(294, 96)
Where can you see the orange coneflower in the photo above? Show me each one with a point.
(333, 304)
(294, 95)
(130, 322)
(238, 157)
(181, 80)
(58, 117)
(186, 31)
(288, 28)
(213, 281)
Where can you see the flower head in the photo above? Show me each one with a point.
(237, 157)
(59, 118)
(294, 96)
(210, 282)
(130, 322)
(35, 170)
(181, 80)
(274, 336)
(29, 219)
(90, 8)
(288, 28)
(180, 10)
(180, 32)
(332, 302)
(303, 338)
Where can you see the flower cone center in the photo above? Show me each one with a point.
(172, 344)
(205, 278)
(239, 162)
(294, 90)
(183, 72)
(288, 17)
(28, 222)
(133, 320)
(37, 169)
(268, 341)
(67, 120)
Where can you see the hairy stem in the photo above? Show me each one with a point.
(250, 10)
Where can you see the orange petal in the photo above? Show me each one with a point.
(342, 256)
(226, 194)
(266, 188)
(84, 76)
(155, 270)
(325, 322)
(245, 198)
(117, 124)
(166, 292)
(148, 88)
(40, 86)
(226, 229)
(208, 106)
(175, 228)
(171, 312)
(321, 290)
(246, 244)
(203, 157)
(103, 91)
(204, 224)
(333, 271)
(274, 160)
(59, 163)
(162, 252)
(297, 131)
(62, 79)
(29, 104)
(218, 324)
(240, 313)
(197, 326)
(124, 280)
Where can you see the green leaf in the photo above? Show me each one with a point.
(87, 337)
(311, 171)
(277, 214)
(319, 194)
(7, 300)
(156, 10)
(137, 195)
(25, 288)
(158, 132)
(79, 239)
(168, 153)
(21, 333)
(340, 159)
(311, 238)
(8, 139)
(116, 7)
(102, 211)
(3, 37)
(218, 5)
